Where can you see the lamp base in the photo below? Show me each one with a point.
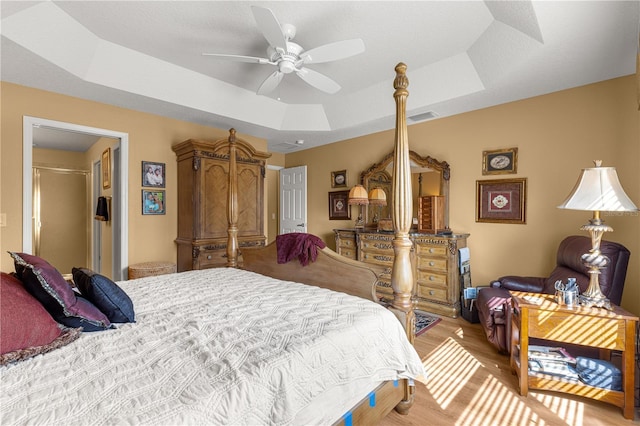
(591, 302)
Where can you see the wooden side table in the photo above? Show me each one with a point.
(151, 269)
(538, 315)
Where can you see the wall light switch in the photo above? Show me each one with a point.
(3, 219)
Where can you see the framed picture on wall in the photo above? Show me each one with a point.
(105, 165)
(153, 174)
(501, 200)
(339, 205)
(500, 161)
(339, 179)
(153, 202)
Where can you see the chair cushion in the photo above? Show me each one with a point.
(569, 264)
(493, 306)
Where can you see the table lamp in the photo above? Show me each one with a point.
(378, 198)
(358, 196)
(598, 189)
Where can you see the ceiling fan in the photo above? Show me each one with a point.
(289, 57)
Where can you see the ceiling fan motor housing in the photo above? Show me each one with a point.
(286, 61)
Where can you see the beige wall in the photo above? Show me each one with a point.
(277, 161)
(150, 139)
(556, 135)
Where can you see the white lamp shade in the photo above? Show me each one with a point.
(598, 189)
(377, 197)
(358, 195)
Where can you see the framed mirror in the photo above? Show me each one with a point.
(429, 177)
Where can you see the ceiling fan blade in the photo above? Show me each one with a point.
(270, 27)
(333, 51)
(270, 83)
(239, 58)
(317, 80)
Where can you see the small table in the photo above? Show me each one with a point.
(539, 316)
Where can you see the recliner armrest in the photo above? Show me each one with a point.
(515, 283)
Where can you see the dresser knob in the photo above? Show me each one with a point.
(431, 292)
(432, 278)
(432, 263)
(209, 257)
(431, 250)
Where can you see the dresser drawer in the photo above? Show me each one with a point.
(424, 250)
(432, 263)
(377, 257)
(346, 235)
(432, 293)
(347, 243)
(431, 278)
(376, 245)
(347, 252)
(383, 289)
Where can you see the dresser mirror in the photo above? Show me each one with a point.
(429, 177)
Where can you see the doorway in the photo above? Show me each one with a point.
(121, 177)
(293, 200)
(61, 233)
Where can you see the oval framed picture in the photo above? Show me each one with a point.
(339, 179)
(500, 161)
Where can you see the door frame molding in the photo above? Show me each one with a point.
(28, 123)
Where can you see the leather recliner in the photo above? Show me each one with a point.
(494, 302)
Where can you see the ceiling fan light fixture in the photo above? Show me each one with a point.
(286, 67)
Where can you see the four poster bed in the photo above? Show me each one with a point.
(255, 343)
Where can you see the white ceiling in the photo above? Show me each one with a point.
(461, 56)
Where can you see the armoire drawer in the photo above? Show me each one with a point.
(212, 258)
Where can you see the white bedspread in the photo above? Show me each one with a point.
(220, 346)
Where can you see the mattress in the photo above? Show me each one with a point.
(217, 346)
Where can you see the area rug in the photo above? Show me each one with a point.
(425, 321)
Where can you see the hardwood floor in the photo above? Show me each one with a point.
(469, 383)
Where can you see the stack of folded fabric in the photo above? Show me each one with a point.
(599, 373)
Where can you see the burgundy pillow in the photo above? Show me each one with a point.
(26, 328)
(23, 320)
(48, 286)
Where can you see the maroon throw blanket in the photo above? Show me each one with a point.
(300, 245)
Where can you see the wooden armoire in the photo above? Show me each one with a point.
(203, 181)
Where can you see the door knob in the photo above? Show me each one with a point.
(302, 224)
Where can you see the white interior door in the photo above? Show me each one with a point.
(293, 200)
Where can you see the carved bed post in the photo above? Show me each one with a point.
(402, 279)
(232, 205)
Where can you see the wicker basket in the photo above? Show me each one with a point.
(151, 269)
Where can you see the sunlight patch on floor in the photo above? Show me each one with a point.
(496, 405)
(571, 411)
(449, 368)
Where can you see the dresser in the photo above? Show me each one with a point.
(203, 176)
(436, 269)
